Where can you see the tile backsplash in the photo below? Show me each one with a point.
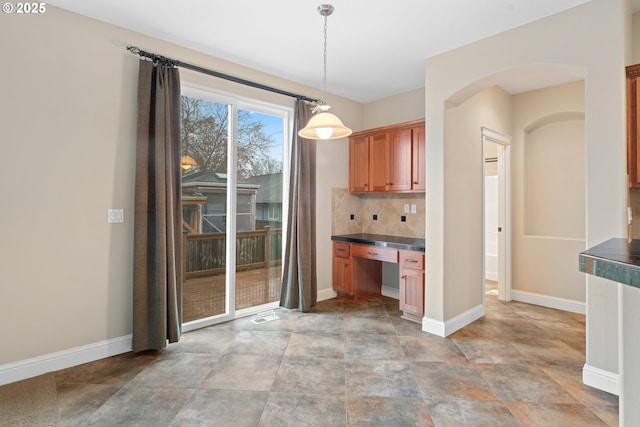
(388, 208)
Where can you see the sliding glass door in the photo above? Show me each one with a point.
(233, 214)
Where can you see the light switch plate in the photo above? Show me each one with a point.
(413, 209)
(115, 216)
(406, 208)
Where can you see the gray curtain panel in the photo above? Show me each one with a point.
(157, 269)
(299, 280)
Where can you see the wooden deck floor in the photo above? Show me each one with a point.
(205, 296)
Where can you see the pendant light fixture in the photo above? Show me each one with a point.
(324, 125)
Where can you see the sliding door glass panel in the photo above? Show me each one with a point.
(205, 143)
(259, 208)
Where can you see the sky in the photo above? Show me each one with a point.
(273, 127)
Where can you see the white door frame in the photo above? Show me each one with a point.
(504, 211)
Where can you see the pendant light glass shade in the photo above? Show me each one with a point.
(187, 162)
(324, 126)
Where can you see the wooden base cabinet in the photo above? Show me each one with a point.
(412, 285)
(342, 276)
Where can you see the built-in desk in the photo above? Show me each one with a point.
(357, 268)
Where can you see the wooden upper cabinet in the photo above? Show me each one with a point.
(379, 164)
(400, 160)
(388, 159)
(359, 164)
(418, 175)
(633, 124)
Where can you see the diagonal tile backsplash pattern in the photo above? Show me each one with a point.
(389, 209)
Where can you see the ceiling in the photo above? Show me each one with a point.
(376, 48)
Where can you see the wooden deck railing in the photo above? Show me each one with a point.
(205, 254)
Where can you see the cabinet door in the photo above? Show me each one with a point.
(379, 164)
(399, 160)
(418, 176)
(342, 282)
(633, 125)
(412, 290)
(359, 164)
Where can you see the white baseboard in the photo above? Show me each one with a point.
(446, 328)
(387, 291)
(549, 301)
(35, 366)
(601, 379)
(391, 292)
(326, 293)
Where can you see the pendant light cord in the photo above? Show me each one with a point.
(324, 80)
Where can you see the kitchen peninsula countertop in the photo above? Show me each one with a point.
(396, 242)
(616, 259)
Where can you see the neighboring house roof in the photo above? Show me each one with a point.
(270, 190)
(212, 179)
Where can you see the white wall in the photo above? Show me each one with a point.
(491, 224)
(594, 49)
(68, 131)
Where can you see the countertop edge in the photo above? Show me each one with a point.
(395, 242)
(616, 270)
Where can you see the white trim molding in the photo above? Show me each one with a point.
(549, 301)
(601, 379)
(391, 292)
(326, 293)
(35, 366)
(446, 328)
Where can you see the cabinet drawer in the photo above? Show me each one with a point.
(412, 259)
(341, 249)
(375, 252)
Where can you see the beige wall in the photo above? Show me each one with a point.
(594, 49)
(635, 45)
(490, 108)
(68, 126)
(548, 191)
(399, 108)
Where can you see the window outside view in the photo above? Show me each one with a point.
(257, 208)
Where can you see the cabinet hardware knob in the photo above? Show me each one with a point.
(415, 182)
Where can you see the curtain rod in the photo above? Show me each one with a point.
(175, 63)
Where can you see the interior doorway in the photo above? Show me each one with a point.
(495, 214)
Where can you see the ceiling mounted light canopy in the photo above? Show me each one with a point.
(324, 125)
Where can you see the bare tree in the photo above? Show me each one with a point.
(205, 131)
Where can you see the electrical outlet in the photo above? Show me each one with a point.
(403, 218)
(352, 217)
(115, 216)
(375, 217)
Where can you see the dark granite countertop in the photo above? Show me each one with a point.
(406, 243)
(616, 259)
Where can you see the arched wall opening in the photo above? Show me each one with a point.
(596, 49)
